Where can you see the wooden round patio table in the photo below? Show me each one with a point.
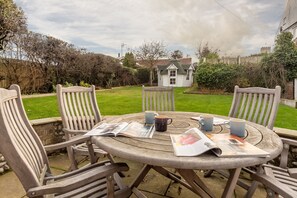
(158, 151)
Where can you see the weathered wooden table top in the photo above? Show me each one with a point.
(158, 151)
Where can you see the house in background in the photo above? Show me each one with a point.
(288, 22)
(175, 73)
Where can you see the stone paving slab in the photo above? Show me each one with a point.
(154, 185)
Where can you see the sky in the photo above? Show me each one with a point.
(110, 27)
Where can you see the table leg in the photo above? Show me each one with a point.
(231, 183)
(254, 184)
(146, 168)
(196, 183)
(172, 176)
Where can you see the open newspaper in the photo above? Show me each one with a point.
(194, 142)
(128, 129)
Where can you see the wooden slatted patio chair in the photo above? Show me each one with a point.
(279, 180)
(80, 113)
(158, 99)
(255, 104)
(27, 157)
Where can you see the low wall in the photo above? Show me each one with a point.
(291, 103)
(48, 129)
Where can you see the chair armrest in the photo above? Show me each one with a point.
(75, 132)
(275, 185)
(78, 180)
(77, 171)
(290, 142)
(73, 141)
(285, 152)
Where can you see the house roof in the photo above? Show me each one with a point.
(183, 61)
(181, 68)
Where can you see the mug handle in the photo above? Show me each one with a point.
(201, 121)
(169, 119)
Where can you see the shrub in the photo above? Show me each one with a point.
(253, 74)
(83, 84)
(143, 75)
(68, 84)
(217, 76)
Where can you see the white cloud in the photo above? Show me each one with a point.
(234, 27)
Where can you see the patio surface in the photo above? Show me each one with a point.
(154, 185)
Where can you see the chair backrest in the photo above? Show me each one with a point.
(78, 107)
(19, 143)
(256, 104)
(158, 99)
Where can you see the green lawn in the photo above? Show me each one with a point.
(125, 100)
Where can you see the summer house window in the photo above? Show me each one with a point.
(172, 73)
(188, 75)
(172, 81)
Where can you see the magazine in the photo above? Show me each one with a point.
(194, 142)
(191, 143)
(216, 120)
(128, 129)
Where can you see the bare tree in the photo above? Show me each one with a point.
(12, 21)
(149, 53)
(176, 54)
(204, 51)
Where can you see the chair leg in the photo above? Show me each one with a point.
(92, 156)
(110, 187)
(71, 153)
(110, 157)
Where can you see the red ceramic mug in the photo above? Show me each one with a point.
(161, 123)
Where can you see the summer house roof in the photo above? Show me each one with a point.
(181, 68)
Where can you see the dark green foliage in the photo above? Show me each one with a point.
(216, 76)
(129, 60)
(285, 53)
(143, 75)
(224, 77)
(281, 65)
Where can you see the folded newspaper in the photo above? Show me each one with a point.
(194, 142)
(128, 129)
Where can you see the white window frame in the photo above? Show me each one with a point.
(172, 73)
(174, 79)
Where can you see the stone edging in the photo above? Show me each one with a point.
(290, 103)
